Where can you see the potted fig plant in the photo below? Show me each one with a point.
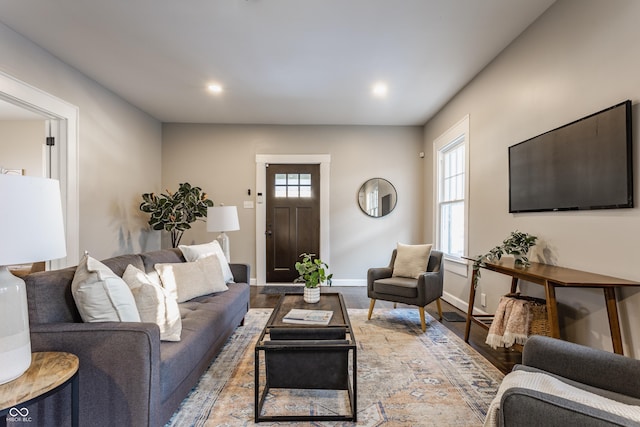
(517, 244)
(313, 273)
(175, 212)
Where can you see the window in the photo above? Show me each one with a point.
(293, 185)
(451, 192)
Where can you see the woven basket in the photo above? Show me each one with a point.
(539, 321)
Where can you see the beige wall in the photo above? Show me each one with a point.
(21, 145)
(221, 160)
(578, 58)
(119, 148)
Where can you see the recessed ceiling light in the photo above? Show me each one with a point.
(215, 88)
(379, 90)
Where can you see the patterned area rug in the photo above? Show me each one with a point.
(405, 378)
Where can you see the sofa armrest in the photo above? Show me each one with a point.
(525, 407)
(119, 372)
(241, 273)
(606, 370)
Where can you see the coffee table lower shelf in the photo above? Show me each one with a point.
(302, 357)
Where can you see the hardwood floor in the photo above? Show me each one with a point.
(356, 297)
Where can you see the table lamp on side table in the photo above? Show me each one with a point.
(223, 218)
(31, 230)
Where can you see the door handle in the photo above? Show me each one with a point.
(268, 233)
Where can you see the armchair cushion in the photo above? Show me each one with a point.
(411, 260)
(400, 286)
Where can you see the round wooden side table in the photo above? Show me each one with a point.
(49, 372)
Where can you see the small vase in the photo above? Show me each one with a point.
(312, 295)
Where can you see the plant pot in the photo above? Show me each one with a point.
(312, 295)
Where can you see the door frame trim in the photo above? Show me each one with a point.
(65, 165)
(324, 160)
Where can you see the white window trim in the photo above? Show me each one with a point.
(454, 133)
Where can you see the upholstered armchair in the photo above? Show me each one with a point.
(594, 373)
(382, 285)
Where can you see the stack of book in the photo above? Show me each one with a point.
(308, 317)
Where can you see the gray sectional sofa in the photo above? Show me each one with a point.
(128, 377)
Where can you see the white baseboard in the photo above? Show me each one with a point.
(461, 304)
(349, 282)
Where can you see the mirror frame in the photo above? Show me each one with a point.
(362, 197)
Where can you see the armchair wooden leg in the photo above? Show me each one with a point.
(422, 322)
(395, 305)
(439, 308)
(371, 304)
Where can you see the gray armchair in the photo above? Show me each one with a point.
(607, 374)
(381, 285)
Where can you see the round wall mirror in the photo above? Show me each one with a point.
(377, 197)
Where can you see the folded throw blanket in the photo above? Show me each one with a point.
(550, 385)
(510, 324)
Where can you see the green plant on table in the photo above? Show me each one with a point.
(312, 271)
(517, 244)
(175, 212)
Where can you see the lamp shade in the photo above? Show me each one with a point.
(31, 229)
(222, 218)
(31, 225)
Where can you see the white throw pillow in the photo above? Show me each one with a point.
(187, 280)
(100, 295)
(155, 304)
(195, 252)
(411, 260)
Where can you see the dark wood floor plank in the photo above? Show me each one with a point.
(356, 297)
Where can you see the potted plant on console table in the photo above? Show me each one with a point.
(517, 244)
(312, 273)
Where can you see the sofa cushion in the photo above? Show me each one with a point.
(150, 259)
(207, 321)
(155, 304)
(187, 280)
(196, 252)
(100, 295)
(49, 296)
(411, 260)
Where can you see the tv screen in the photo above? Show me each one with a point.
(586, 164)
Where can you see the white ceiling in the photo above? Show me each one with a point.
(279, 61)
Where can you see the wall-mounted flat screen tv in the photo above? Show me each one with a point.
(586, 164)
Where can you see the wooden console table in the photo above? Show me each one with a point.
(551, 277)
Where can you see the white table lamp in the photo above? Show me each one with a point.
(31, 230)
(223, 218)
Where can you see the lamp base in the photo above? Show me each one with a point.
(223, 239)
(15, 344)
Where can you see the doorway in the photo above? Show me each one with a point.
(324, 162)
(63, 120)
(293, 217)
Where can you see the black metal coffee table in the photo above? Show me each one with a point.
(311, 357)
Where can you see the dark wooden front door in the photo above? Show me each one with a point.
(293, 218)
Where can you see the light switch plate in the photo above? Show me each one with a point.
(248, 204)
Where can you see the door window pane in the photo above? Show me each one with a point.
(293, 185)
